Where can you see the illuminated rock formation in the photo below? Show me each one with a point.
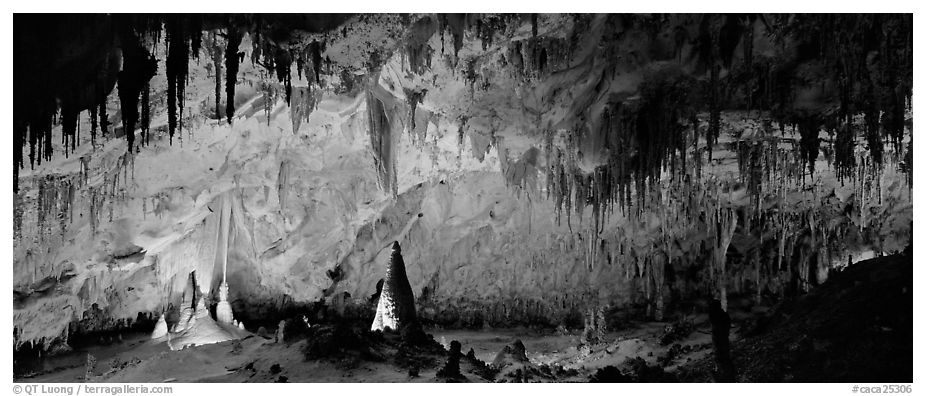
(201, 330)
(160, 328)
(223, 311)
(396, 303)
(593, 185)
(187, 309)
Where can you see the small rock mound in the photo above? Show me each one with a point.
(513, 353)
(451, 369)
(514, 366)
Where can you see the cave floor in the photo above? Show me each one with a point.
(139, 359)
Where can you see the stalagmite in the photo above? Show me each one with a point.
(223, 311)
(202, 330)
(187, 317)
(160, 328)
(725, 227)
(720, 335)
(396, 306)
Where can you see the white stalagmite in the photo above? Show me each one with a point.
(202, 330)
(160, 329)
(396, 306)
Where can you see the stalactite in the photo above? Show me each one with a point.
(316, 49)
(412, 99)
(713, 125)
(217, 54)
(382, 144)
(146, 113)
(304, 103)
(69, 116)
(417, 49)
(232, 59)
(138, 66)
(178, 54)
(809, 128)
(282, 62)
(19, 131)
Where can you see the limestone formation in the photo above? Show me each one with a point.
(160, 328)
(223, 311)
(202, 330)
(514, 353)
(187, 312)
(396, 306)
(281, 331)
(451, 369)
(720, 335)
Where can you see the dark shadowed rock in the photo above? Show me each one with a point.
(396, 306)
(512, 353)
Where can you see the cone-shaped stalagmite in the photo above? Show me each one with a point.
(396, 303)
(160, 329)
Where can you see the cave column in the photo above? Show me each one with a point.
(223, 311)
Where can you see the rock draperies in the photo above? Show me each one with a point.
(381, 140)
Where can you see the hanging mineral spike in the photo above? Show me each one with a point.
(178, 54)
(809, 129)
(396, 308)
(283, 61)
(381, 141)
(138, 66)
(146, 113)
(316, 49)
(217, 53)
(232, 59)
(104, 118)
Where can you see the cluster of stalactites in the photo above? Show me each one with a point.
(642, 139)
(138, 67)
(417, 50)
(868, 59)
(304, 102)
(279, 61)
(184, 38)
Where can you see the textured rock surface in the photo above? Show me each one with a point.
(476, 153)
(396, 307)
(160, 328)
